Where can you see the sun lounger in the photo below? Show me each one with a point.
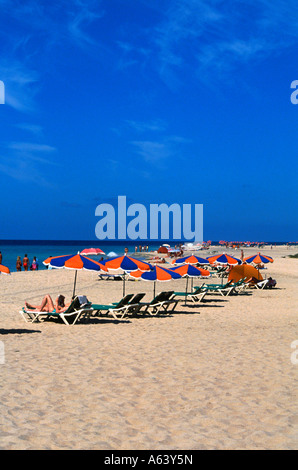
(110, 277)
(117, 309)
(265, 283)
(223, 289)
(241, 285)
(135, 299)
(228, 288)
(134, 304)
(220, 272)
(79, 308)
(160, 304)
(196, 296)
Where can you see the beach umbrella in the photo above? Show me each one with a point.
(257, 260)
(244, 270)
(157, 273)
(224, 259)
(92, 252)
(4, 269)
(126, 264)
(190, 260)
(76, 262)
(190, 271)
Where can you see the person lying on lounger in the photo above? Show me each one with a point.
(47, 305)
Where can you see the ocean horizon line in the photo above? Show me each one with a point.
(131, 242)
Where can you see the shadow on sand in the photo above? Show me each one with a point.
(17, 331)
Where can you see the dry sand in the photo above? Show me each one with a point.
(215, 375)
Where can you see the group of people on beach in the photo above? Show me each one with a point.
(26, 264)
(141, 248)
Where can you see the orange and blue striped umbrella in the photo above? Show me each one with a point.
(187, 270)
(223, 259)
(4, 269)
(192, 259)
(75, 262)
(157, 273)
(258, 259)
(126, 264)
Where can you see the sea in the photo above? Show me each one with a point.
(11, 249)
(42, 249)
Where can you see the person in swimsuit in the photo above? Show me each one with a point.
(34, 264)
(26, 262)
(47, 305)
(19, 264)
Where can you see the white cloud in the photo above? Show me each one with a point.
(31, 128)
(152, 151)
(157, 125)
(20, 85)
(203, 36)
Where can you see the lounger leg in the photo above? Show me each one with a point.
(64, 319)
(35, 318)
(77, 317)
(26, 319)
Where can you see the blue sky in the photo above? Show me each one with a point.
(164, 102)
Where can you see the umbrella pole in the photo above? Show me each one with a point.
(186, 290)
(74, 286)
(123, 284)
(154, 290)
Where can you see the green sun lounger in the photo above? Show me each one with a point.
(223, 289)
(160, 304)
(117, 309)
(196, 296)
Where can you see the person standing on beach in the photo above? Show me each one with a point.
(33, 265)
(26, 262)
(19, 264)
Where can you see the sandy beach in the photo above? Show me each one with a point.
(213, 375)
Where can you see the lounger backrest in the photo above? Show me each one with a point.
(228, 283)
(197, 289)
(158, 298)
(124, 301)
(169, 294)
(137, 298)
(75, 305)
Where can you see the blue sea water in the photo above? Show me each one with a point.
(11, 249)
